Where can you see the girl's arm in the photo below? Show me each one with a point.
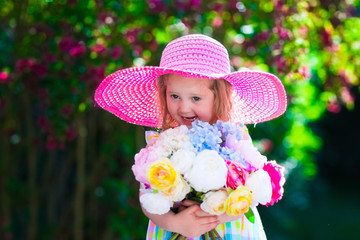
(187, 222)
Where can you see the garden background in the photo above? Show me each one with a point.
(65, 164)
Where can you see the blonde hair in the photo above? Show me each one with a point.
(222, 90)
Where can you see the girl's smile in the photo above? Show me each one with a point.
(189, 99)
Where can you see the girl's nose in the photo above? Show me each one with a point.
(184, 107)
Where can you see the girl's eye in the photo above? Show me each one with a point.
(174, 96)
(196, 99)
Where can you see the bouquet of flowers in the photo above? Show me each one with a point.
(217, 165)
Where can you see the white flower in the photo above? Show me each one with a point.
(155, 203)
(250, 153)
(175, 138)
(160, 151)
(178, 191)
(208, 172)
(183, 160)
(259, 184)
(214, 201)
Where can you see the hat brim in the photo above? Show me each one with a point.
(131, 94)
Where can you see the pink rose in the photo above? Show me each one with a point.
(143, 158)
(276, 173)
(236, 175)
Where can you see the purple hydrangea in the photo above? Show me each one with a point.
(230, 154)
(205, 136)
(227, 128)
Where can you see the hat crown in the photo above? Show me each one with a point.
(196, 53)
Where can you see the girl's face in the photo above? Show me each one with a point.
(188, 99)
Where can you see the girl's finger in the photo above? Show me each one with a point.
(209, 220)
(188, 203)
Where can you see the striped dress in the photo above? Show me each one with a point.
(240, 229)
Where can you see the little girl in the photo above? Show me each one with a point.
(193, 82)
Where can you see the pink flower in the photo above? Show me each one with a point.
(156, 5)
(4, 76)
(131, 34)
(217, 22)
(303, 31)
(218, 7)
(281, 64)
(153, 46)
(305, 71)
(66, 110)
(98, 48)
(347, 96)
(66, 43)
(236, 175)
(116, 52)
(283, 33)
(71, 133)
(98, 71)
(333, 106)
(194, 3)
(326, 37)
(143, 159)
(51, 143)
(49, 58)
(276, 173)
(40, 70)
(44, 123)
(263, 36)
(248, 151)
(105, 17)
(24, 64)
(77, 50)
(138, 50)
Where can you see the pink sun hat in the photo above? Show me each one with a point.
(132, 95)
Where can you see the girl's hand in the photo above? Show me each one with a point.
(191, 223)
(188, 203)
(223, 218)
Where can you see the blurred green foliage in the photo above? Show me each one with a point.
(65, 163)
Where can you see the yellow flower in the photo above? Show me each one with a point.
(238, 202)
(161, 174)
(178, 191)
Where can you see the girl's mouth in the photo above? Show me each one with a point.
(190, 119)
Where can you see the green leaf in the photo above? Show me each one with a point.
(250, 215)
(229, 190)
